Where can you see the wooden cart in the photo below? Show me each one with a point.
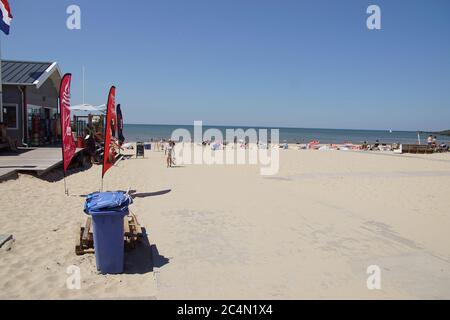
(85, 238)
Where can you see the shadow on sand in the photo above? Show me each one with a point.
(144, 258)
(135, 194)
(56, 174)
(8, 153)
(177, 166)
(17, 167)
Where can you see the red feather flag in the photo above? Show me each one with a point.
(68, 143)
(109, 154)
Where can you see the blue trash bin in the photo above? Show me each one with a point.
(108, 210)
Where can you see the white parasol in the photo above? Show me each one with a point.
(101, 109)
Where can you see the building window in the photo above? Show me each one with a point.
(11, 116)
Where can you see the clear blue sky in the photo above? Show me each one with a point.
(250, 62)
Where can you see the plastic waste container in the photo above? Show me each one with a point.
(108, 210)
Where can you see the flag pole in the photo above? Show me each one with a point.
(5, 29)
(107, 132)
(83, 87)
(68, 147)
(66, 191)
(104, 146)
(1, 82)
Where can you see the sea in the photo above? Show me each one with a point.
(155, 132)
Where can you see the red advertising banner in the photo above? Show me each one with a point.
(109, 154)
(68, 142)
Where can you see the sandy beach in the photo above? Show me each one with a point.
(222, 232)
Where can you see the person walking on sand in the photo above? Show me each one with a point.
(165, 146)
(169, 149)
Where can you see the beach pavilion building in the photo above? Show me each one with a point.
(30, 101)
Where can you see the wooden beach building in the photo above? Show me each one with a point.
(30, 113)
(30, 101)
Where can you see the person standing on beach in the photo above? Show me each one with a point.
(434, 143)
(169, 152)
(430, 140)
(172, 156)
(89, 142)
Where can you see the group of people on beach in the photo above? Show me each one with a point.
(432, 141)
(93, 139)
(168, 147)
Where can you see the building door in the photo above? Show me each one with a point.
(10, 116)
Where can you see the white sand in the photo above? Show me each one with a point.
(309, 232)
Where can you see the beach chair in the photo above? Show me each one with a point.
(140, 150)
(5, 141)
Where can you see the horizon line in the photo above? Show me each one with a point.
(282, 127)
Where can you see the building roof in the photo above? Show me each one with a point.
(27, 72)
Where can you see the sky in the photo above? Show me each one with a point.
(280, 63)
